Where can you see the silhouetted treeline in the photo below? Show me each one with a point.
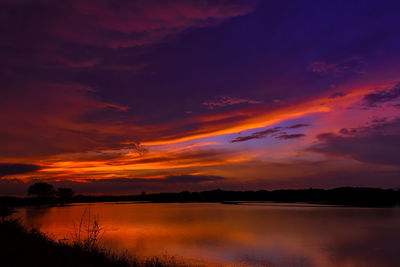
(357, 196)
(45, 190)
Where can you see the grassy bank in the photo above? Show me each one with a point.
(22, 247)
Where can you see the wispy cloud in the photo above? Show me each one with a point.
(323, 68)
(265, 133)
(290, 136)
(382, 96)
(337, 94)
(223, 101)
(256, 135)
(352, 64)
(296, 126)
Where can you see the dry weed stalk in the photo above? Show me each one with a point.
(88, 233)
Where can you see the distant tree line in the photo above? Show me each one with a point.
(356, 196)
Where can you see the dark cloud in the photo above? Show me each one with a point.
(337, 94)
(191, 179)
(322, 67)
(265, 133)
(290, 136)
(223, 101)
(378, 143)
(296, 126)
(17, 168)
(256, 135)
(351, 64)
(116, 25)
(173, 179)
(380, 120)
(383, 96)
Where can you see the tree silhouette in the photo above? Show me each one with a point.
(42, 190)
(65, 193)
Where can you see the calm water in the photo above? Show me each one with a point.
(248, 234)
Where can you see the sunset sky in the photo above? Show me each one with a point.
(119, 97)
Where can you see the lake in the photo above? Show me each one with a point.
(248, 234)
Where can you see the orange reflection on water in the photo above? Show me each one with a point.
(256, 235)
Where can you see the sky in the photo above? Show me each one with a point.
(120, 97)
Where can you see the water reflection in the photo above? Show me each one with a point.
(239, 234)
(33, 216)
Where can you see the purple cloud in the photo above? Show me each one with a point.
(337, 94)
(290, 136)
(265, 133)
(223, 101)
(322, 67)
(349, 64)
(17, 168)
(383, 96)
(296, 126)
(256, 135)
(378, 144)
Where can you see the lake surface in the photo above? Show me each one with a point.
(249, 234)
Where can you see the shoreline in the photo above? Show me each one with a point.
(40, 250)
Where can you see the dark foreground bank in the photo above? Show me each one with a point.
(21, 247)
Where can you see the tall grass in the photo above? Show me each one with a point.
(88, 233)
(29, 247)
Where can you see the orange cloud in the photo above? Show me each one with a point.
(253, 118)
